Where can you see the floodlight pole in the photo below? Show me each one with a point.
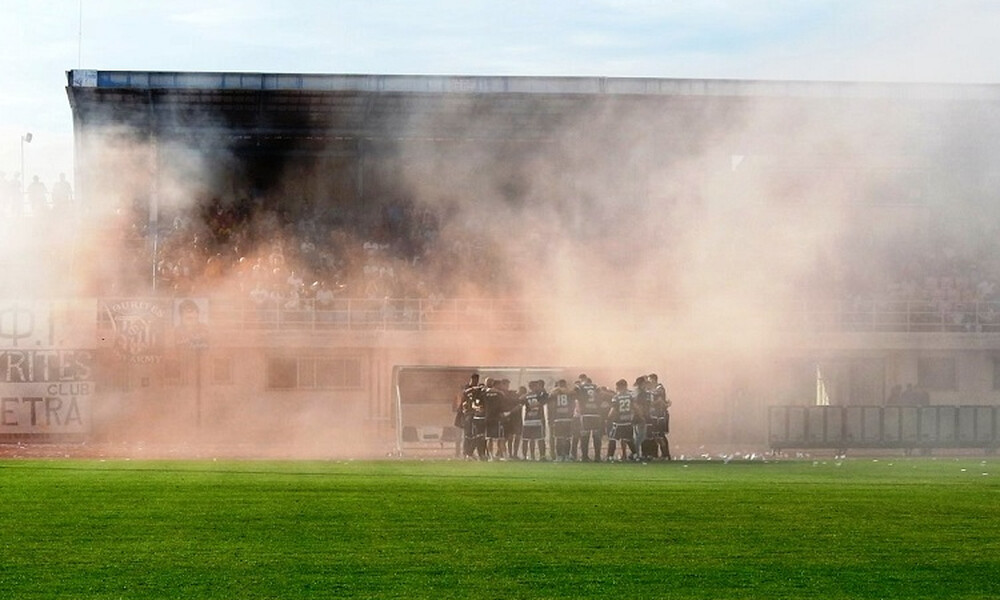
(26, 138)
(197, 379)
(199, 344)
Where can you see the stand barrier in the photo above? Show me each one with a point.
(906, 427)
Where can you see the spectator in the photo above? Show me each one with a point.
(324, 297)
(62, 194)
(909, 396)
(923, 398)
(293, 301)
(37, 197)
(14, 196)
(6, 197)
(895, 396)
(294, 282)
(259, 294)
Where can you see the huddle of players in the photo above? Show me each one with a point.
(498, 422)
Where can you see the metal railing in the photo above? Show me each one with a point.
(453, 314)
(902, 316)
(396, 314)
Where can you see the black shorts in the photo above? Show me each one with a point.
(562, 428)
(622, 431)
(532, 430)
(494, 429)
(591, 423)
(512, 423)
(657, 428)
(478, 427)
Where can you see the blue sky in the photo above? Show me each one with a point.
(954, 41)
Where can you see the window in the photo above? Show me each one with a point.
(338, 373)
(173, 374)
(222, 370)
(282, 373)
(307, 373)
(937, 374)
(996, 372)
(313, 373)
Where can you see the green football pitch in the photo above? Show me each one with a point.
(856, 528)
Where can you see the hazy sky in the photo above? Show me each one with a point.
(868, 40)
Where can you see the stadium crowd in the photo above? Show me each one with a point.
(935, 282)
(566, 423)
(304, 255)
(301, 259)
(287, 255)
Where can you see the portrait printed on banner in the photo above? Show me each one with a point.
(191, 322)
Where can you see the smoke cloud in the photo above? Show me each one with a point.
(686, 238)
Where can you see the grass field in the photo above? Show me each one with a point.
(858, 528)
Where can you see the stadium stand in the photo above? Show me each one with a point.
(299, 225)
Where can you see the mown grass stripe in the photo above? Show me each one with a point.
(911, 528)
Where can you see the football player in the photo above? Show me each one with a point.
(511, 418)
(463, 413)
(534, 416)
(493, 399)
(622, 416)
(561, 410)
(590, 417)
(474, 410)
(543, 396)
(640, 406)
(659, 423)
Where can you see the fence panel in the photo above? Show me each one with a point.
(908, 427)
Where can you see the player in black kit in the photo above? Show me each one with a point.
(534, 417)
(463, 416)
(474, 419)
(659, 419)
(640, 406)
(511, 419)
(493, 398)
(561, 410)
(590, 411)
(622, 419)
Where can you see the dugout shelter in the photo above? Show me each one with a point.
(425, 399)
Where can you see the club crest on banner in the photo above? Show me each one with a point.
(138, 327)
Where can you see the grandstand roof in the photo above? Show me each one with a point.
(373, 106)
(493, 85)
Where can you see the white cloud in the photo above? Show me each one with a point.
(906, 40)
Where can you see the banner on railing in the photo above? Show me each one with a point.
(48, 324)
(46, 365)
(190, 323)
(138, 326)
(53, 407)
